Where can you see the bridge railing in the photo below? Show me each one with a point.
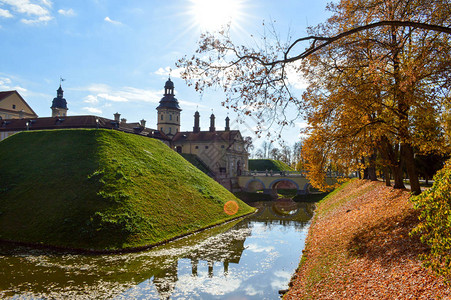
(303, 173)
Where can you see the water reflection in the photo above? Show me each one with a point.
(251, 258)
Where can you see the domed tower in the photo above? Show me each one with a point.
(59, 104)
(168, 111)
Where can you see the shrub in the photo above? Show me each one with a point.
(435, 222)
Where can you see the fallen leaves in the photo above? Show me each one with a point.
(359, 247)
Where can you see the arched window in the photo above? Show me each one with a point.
(170, 117)
(161, 117)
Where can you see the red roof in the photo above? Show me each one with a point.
(78, 122)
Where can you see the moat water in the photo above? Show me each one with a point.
(251, 258)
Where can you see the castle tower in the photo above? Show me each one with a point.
(59, 104)
(212, 123)
(196, 127)
(168, 112)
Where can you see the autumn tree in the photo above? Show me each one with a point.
(372, 68)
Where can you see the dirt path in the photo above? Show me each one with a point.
(359, 247)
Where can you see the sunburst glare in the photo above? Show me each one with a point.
(211, 15)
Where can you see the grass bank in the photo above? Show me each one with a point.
(359, 247)
(103, 190)
(267, 165)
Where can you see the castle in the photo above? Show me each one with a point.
(219, 153)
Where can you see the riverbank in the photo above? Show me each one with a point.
(358, 247)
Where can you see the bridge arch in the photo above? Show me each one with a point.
(275, 182)
(250, 185)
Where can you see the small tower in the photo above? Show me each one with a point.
(168, 112)
(212, 123)
(227, 124)
(196, 127)
(59, 104)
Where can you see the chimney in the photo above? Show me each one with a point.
(123, 120)
(117, 117)
(143, 123)
(227, 127)
(212, 123)
(196, 127)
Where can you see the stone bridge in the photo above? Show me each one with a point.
(269, 182)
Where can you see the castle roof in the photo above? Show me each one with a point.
(207, 136)
(169, 100)
(78, 122)
(59, 101)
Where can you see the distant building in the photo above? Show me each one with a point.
(222, 151)
(13, 106)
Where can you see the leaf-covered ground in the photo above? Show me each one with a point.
(359, 247)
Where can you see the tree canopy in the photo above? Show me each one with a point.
(378, 74)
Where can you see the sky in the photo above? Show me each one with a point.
(115, 55)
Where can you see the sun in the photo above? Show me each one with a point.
(212, 15)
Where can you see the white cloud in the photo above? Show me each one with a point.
(91, 99)
(42, 19)
(7, 84)
(175, 73)
(68, 12)
(113, 98)
(4, 82)
(37, 10)
(107, 19)
(26, 7)
(93, 110)
(5, 13)
(47, 3)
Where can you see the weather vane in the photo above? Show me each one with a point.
(61, 80)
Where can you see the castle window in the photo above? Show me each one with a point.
(14, 106)
(170, 117)
(162, 117)
(206, 147)
(177, 118)
(222, 146)
(170, 129)
(197, 147)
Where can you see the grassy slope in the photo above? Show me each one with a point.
(268, 164)
(102, 189)
(195, 161)
(359, 247)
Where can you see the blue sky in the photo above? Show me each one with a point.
(115, 54)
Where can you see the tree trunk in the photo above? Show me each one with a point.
(391, 153)
(372, 168)
(397, 176)
(407, 152)
(387, 176)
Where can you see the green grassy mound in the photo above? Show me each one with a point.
(268, 164)
(195, 161)
(102, 189)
